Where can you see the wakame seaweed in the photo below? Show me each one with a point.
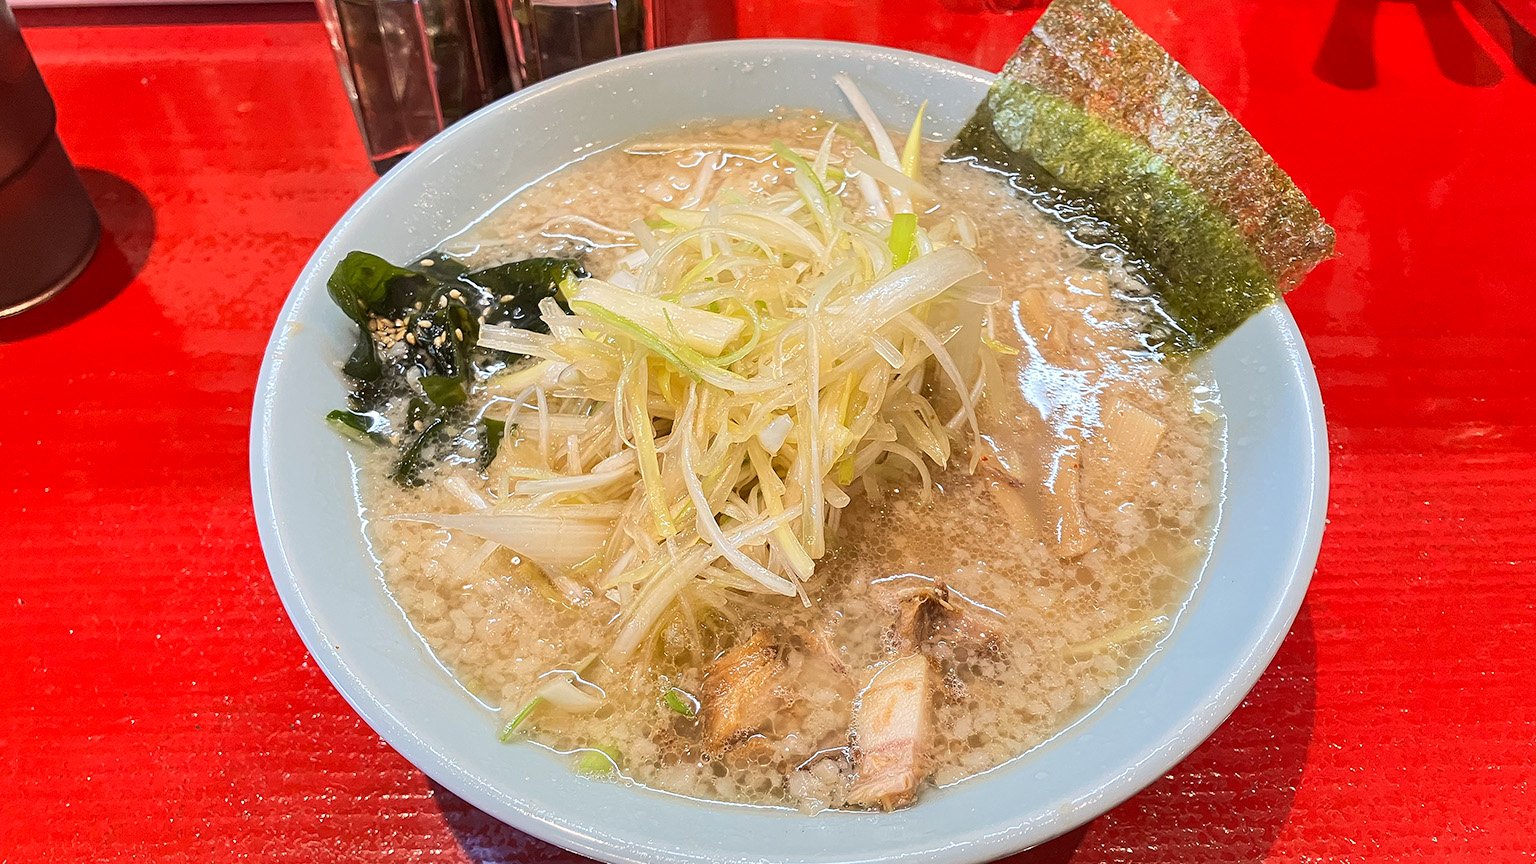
(418, 329)
(361, 286)
(491, 433)
(359, 427)
(444, 390)
(423, 424)
(1101, 129)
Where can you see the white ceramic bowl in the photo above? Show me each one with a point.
(303, 483)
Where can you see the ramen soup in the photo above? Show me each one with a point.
(818, 478)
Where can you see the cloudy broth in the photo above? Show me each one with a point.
(1048, 573)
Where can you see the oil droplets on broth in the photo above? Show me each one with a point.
(1031, 587)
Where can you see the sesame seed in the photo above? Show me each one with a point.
(458, 334)
(455, 294)
(418, 425)
(441, 338)
(442, 302)
(427, 262)
(507, 298)
(411, 338)
(423, 323)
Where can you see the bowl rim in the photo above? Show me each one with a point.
(1156, 756)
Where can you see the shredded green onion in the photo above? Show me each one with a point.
(696, 416)
(903, 240)
(676, 354)
(596, 761)
(913, 151)
(999, 347)
(512, 726)
(680, 702)
(800, 165)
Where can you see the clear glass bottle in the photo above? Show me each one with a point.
(547, 37)
(413, 67)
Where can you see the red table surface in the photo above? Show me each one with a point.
(156, 705)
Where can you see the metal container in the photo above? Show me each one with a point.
(48, 226)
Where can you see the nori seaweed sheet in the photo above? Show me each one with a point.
(1099, 127)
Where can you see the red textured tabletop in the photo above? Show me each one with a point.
(155, 704)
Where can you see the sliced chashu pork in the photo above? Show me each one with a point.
(763, 688)
(892, 734)
(892, 728)
(916, 605)
(741, 692)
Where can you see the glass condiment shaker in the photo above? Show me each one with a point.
(412, 67)
(547, 37)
